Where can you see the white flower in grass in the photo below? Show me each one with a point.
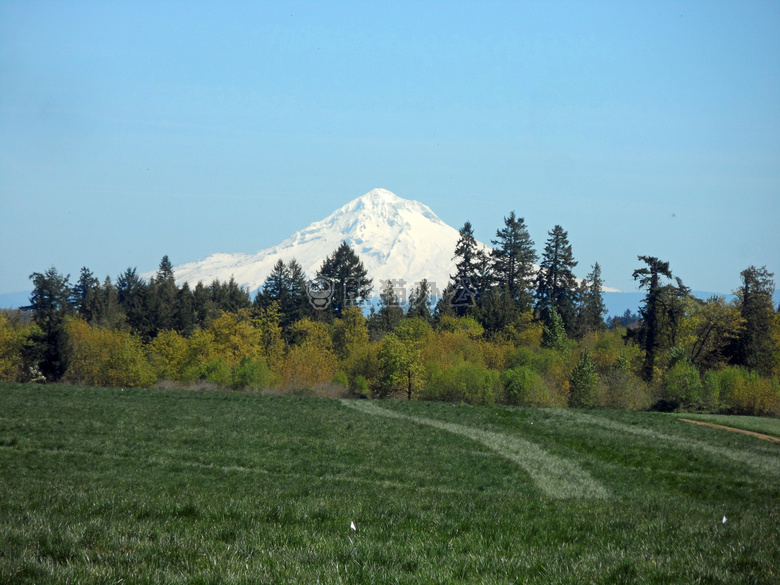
(724, 519)
(352, 526)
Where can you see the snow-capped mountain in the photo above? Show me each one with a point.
(395, 238)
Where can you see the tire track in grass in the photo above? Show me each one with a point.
(755, 460)
(555, 476)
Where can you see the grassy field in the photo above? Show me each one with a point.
(768, 426)
(151, 486)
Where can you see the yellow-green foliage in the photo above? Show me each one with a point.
(350, 333)
(12, 340)
(609, 350)
(707, 328)
(104, 357)
(525, 387)
(741, 391)
(310, 360)
(450, 347)
(400, 367)
(467, 325)
(621, 390)
(268, 323)
(495, 354)
(524, 331)
(168, 354)
(463, 382)
(235, 337)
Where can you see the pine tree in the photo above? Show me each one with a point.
(286, 285)
(349, 278)
(204, 306)
(107, 312)
(556, 285)
(162, 300)
(276, 287)
(584, 382)
(513, 261)
(298, 306)
(420, 301)
(133, 291)
(229, 296)
(468, 275)
(82, 295)
(390, 313)
(50, 305)
(553, 333)
(591, 310)
(756, 348)
(661, 313)
(185, 317)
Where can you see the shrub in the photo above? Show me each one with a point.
(619, 389)
(340, 379)
(217, 371)
(524, 387)
(682, 385)
(583, 384)
(252, 373)
(103, 357)
(360, 387)
(464, 382)
(742, 391)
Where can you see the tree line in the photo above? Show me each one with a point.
(502, 330)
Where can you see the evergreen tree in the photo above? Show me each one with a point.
(229, 296)
(553, 333)
(663, 309)
(107, 312)
(390, 313)
(351, 285)
(556, 285)
(584, 382)
(420, 301)
(162, 300)
(468, 277)
(132, 292)
(204, 306)
(756, 348)
(591, 311)
(82, 295)
(185, 318)
(276, 287)
(513, 261)
(497, 309)
(286, 285)
(50, 305)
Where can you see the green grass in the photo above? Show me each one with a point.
(768, 426)
(150, 486)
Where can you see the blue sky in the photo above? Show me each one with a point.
(129, 130)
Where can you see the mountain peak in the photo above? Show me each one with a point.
(381, 195)
(396, 238)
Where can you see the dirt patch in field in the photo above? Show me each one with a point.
(734, 430)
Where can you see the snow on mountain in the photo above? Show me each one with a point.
(395, 238)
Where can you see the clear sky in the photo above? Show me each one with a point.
(130, 130)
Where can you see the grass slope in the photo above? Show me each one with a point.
(153, 486)
(767, 426)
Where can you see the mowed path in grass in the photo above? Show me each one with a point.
(555, 476)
